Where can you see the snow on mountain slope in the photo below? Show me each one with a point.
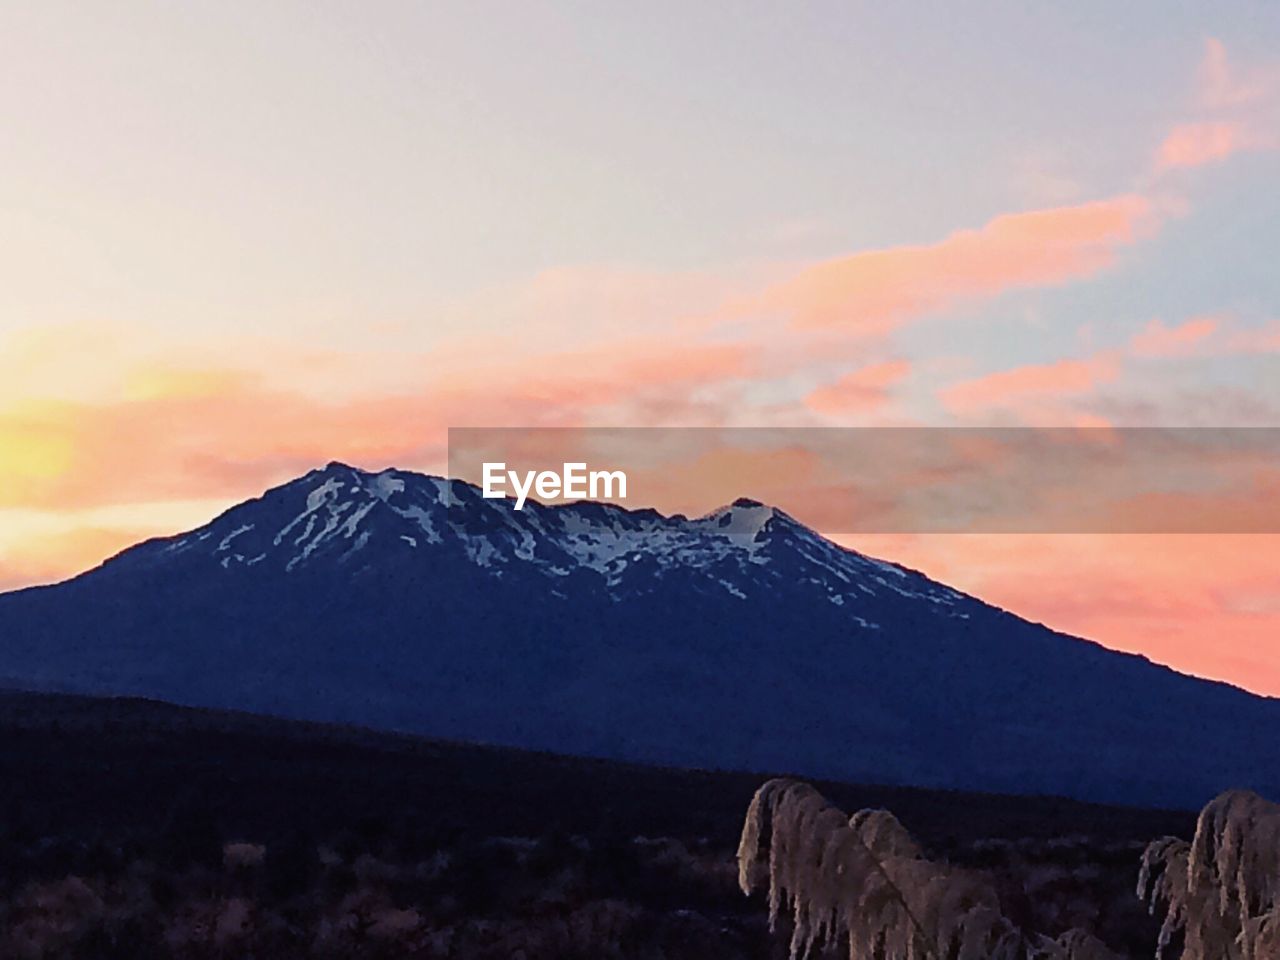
(740, 639)
(361, 520)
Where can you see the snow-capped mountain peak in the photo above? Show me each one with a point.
(346, 519)
(743, 518)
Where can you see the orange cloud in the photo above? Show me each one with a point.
(862, 391)
(1034, 381)
(1199, 144)
(874, 291)
(53, 557)
(212, 433)
(42, 545)
(1157, 340)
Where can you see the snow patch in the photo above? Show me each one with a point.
(385, 485)
(326, 492)
(226, 541)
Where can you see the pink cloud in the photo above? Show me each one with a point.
(1157, 340)
(1238, 114)
(863, 391)
(1032, 382)
(1263, 339)
(1222, 86)
(1200, 144)
(874, 291)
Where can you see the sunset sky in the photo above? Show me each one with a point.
(240, 240)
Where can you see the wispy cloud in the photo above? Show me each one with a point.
(1235, 113)
(1261, 339)
(1158, 340)
(1223, 85)
(1031, 382)
(1045, 393)
(865, 390)
(874, 291)
(1200, 144)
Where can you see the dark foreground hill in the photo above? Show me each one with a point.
(132, 829)
(78, 766)
(741, 640)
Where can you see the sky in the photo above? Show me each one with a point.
(240, 240)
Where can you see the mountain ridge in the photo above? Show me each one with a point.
(740, 639)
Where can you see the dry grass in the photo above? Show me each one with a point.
(864, 883)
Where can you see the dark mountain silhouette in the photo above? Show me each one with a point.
(739, 640)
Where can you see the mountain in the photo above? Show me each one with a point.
(739, 640)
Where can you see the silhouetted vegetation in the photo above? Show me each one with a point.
(137, 830)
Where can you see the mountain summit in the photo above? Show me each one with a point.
(353, 524)
(736, 640)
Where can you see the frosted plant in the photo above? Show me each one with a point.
(864, 880)
(1221, 891)
(884, 835)
(1237, 851)
(1264, 934)
(1165, 877)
